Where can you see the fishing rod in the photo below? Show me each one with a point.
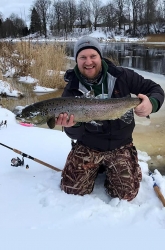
(32, 158)
(157, 189)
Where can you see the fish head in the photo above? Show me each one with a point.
(31, 114)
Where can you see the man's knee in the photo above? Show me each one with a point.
(80, 171)
(124, 187)
(77, 182)
(75, 190)
(125, 194)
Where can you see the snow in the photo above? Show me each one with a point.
(32, 198)
(32, 201)
(5, 88)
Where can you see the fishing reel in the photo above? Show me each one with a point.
(16, 162)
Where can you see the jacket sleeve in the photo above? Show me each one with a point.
(74, 132)
(139, 85)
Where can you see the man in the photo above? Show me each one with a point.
(109, 146)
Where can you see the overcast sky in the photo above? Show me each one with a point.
(19, 7)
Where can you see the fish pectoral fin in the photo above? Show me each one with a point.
(51, 122)
(96, 123)
(127, 117)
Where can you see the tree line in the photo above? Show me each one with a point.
(63, 17)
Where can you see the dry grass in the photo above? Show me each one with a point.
(1, 75)
(15, 56)
(156, 38)
(41, 61)
(49, 60)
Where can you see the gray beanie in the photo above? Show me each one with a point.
(87, 42)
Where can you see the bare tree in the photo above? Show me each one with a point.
(18, 24)
(64, 15)
(87, 6)
(8, 29)
(135, 4)
(57, 16)
(81, 14)
(71, 6)
(109, 16)
(150, 11)
(42, 8)
(65, 18)
(160, 16)
(1, 16)
(1, 25)
(96, 7)
(120, 11)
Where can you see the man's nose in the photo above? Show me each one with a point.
(88, 60)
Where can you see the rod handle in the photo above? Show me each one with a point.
(159, 194)
(47, 165)
(17, 151)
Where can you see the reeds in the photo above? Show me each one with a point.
(42, 61)
(49, 61)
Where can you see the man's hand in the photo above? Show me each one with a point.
(145, 107)
(65, 121)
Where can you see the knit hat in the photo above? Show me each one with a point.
(87, 42)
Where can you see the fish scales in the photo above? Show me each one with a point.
(83, 109)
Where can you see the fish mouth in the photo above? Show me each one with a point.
(33, 117)
(18, 117)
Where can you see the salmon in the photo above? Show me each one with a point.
(83, 109)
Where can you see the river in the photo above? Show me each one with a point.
(142, 56)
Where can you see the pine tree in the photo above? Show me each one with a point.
(35, 25)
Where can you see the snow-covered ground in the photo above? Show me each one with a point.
(32, 199)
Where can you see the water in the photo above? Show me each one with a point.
(139, 56)
(145, 57)
(29, 95)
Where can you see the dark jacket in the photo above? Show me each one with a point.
(113, 133)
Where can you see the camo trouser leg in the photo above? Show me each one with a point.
(80, 171)
(123, 174)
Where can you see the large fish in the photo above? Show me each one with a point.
(83, 109)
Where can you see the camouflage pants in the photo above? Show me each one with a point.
(123, 174)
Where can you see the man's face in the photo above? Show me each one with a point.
(89, 63)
